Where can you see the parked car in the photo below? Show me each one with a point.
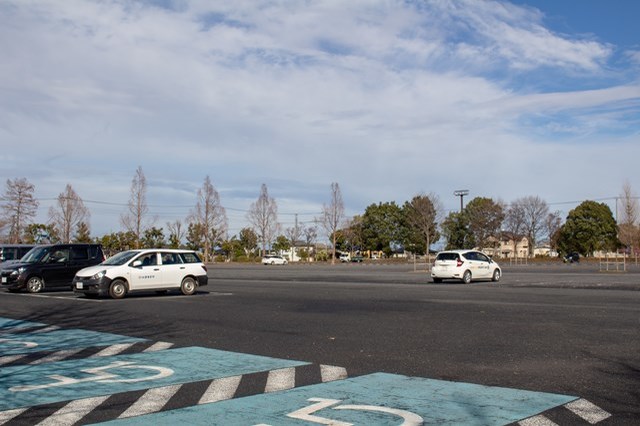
(49, 266)
(13, 252)
(357, 259)
(272, 259)
(345, 257)
(465, 265)
(143, 270)
(572, 257)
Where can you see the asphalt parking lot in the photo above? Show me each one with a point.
(551, 329)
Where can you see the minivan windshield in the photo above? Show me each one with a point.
(120, 258)
(35, 255)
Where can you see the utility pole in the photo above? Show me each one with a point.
(461, 193)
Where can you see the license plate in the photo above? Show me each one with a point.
(79, 286)
(4, 280)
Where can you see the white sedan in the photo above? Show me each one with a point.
(274, 260)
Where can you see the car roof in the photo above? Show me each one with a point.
(166, 250)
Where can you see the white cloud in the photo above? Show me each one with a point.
(386, 98)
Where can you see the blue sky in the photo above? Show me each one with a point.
(387, 98)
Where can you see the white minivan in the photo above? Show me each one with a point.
(143, 270)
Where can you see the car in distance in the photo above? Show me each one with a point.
(465, 265)
(272, 259)
(13, 252)
(143, 270)
(573, 257)
(49, 266)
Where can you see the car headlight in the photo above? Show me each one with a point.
(18, 271)
(99, 275)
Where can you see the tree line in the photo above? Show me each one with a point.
(385, 226)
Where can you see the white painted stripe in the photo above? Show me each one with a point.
(221, 389)
(73, 412)
(46, 329)
(10, 358)
(330, 373)
(5, 416)
(158, 346)
(588, 411)
(56, 356)
(112, 350)
(152, 401)
(281, 379)
(537, 421)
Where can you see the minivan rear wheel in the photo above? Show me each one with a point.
(35, 285)
(188, 286)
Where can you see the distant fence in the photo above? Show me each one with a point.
(613, 263)
(515, 261)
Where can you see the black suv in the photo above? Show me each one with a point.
(50, 266)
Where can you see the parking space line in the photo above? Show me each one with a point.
(57, 356)
(281, 379)
(158, 346)
(221, 389)
(73, 411)
(537, 421)
(113, 350)
(588, 411)
(6, 416)
(153, 400)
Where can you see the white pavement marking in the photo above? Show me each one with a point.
(10, 358)
(330, 373)
(588, 411)
(158, 346)
(281, 379)
(73, 412)
(152, 401)
(5, 416)
(57, 356)
(112, 350)
(221, 389)
(537, 421)
(46, 329)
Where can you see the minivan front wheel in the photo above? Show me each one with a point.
(35, 285)
(188, 286)
(117, 289)
(496, 276)
(466, 277)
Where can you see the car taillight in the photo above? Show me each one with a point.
(460, 262)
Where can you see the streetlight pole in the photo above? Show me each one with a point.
(461, 193)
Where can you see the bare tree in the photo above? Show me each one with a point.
(535, 214)
(628, 231)
(310, 235)
(422, 214)
(293, 234)
(514, 224)
(210, 217)
(332, 217)
(176, 233)
(263, 217)
(69, 213)
(19, 207)
(137, 209)
(552, 225)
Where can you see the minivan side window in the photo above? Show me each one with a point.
(79, 253)
(482, 257)
(60, 255)
(190, 258)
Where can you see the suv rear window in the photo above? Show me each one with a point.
(447, 256)
(190, 258)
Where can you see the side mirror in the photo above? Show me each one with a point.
(137, 263)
